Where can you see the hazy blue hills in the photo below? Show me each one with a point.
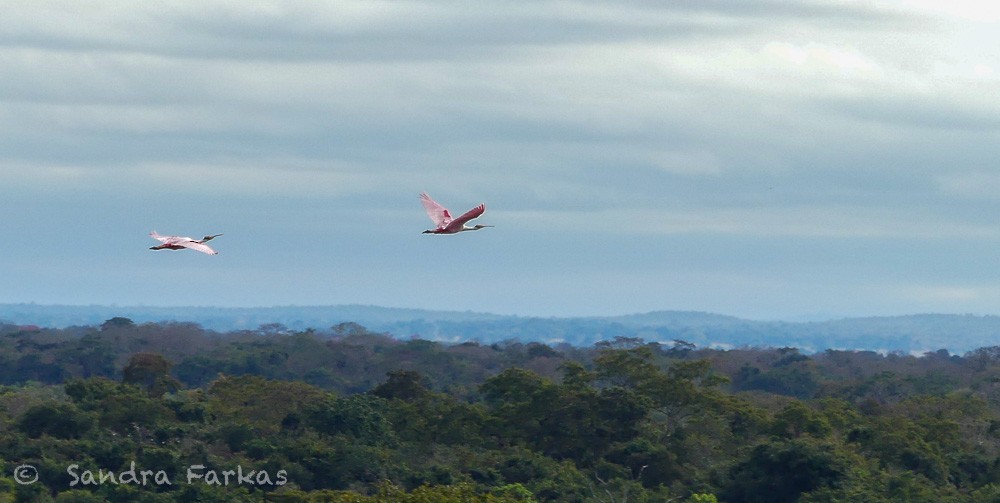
(914, 333)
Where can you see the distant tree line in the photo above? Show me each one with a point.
(346, 415)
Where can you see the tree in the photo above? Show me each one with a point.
(60, 420)
(265, 405)
(94, 355)
(119, 407)
(406, 385)
(781, 471)
(572, 420)
(150, 371)
(796, 419)
(117, 322)
(686, 387)
(362, 417)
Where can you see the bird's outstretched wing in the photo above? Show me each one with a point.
(439, 214)
(170, 240)
(162, 239)
(459, 222)
(197, 246)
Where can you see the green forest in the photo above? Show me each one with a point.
(171, 412)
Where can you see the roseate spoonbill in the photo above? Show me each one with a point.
(442, 217)
(181, 242)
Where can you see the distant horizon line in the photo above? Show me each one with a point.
(801, 318)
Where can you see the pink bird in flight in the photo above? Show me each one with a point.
(181, 242)
(443, 222)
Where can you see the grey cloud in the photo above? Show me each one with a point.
(398, 30)
(929, 112)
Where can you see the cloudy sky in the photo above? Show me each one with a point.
(767, 159)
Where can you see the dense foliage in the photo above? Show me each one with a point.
(172, 412)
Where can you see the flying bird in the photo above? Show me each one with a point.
(443, 222)
(181, 242)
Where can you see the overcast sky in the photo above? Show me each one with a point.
(767, 159)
